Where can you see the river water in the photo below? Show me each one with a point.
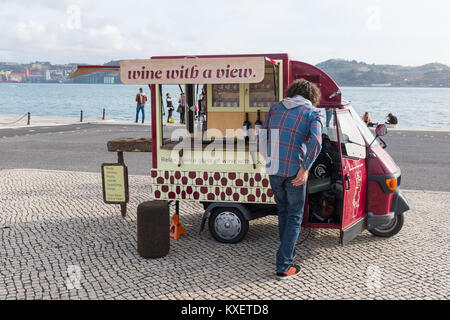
(414, 107)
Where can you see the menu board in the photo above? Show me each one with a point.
(225, 95)
(115, 183)
(263, 94)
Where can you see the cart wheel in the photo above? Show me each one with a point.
(390, 229)
(228, 225)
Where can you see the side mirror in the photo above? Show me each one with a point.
(381, 130)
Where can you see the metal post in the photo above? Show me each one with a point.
(120, 158)
(104, 114)
(29, 119)
(81, 116)
(177, 207)
(123, 207)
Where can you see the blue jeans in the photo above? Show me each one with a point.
(182, 115)
(139, 108)
(290, 203)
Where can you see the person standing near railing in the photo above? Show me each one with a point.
(141, 99)
(170, 108)
(182, 108)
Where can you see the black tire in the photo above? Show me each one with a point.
(228, 225)
(390, 229)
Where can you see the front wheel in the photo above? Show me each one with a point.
(228, 225)
(390, 229)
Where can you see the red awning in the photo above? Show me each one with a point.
(84, 70)
(272, 61)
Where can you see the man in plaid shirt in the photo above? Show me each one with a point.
(295, 124)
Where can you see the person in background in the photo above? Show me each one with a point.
(298, 127)
(170, 108)
(202, 102)
(141, 99)
(366, 119)
(182, 108)
(391, 119)
(202, 109)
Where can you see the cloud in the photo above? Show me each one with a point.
(49, 4)
(27, 31)
(97, 31)
(107, 37)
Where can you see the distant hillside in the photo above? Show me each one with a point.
(35, 66)
(344, 72)
(353, 73)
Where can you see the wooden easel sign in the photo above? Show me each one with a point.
(115, 183)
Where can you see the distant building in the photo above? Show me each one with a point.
(108, 80)
(18, 76)
(88, 79)
(36, 77)
(381, 85)
(4, 75)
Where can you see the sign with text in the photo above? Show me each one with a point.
(193, 70)
(115, 183)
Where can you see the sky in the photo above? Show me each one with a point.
(82, 31)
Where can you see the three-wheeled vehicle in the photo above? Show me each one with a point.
(214, 157)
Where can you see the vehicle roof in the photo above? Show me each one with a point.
(278, 56)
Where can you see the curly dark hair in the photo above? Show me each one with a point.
(306, 89)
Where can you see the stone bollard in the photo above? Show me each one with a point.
(153, 240)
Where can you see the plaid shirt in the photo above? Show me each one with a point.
(300, 138)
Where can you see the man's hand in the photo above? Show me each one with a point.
(301, 178)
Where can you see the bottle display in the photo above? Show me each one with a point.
(262, 95)
(246, 127)
(258, 124)
(225, 95)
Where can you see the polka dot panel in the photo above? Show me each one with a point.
(202, 178)
(211, 186)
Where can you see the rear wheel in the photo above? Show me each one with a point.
(228, 225)
(390, 229)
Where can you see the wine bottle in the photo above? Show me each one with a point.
(246, 127)
(203, 123)
(258, 124)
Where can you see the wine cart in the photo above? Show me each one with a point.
(353, 184)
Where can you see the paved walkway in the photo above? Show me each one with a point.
(59, 241)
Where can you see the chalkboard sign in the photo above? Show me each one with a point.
(115, 183)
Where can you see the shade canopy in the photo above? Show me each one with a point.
(84, 70)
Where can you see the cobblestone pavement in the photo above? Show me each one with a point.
(60, 241)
